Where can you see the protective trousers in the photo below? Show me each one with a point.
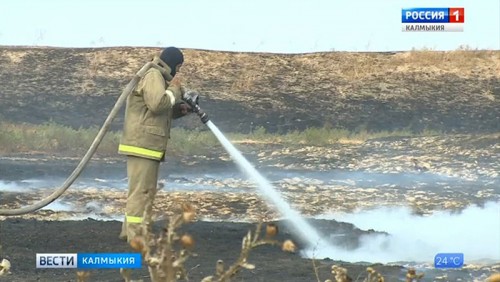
(142, 187)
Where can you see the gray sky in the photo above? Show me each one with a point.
(282, 26)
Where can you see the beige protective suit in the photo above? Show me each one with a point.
(148, 118)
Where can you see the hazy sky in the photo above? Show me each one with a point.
(285, 26)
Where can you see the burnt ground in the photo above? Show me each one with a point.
(213, 241)
(22, 239)
(95, 236)
(220, 238)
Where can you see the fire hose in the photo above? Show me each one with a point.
(155, 63)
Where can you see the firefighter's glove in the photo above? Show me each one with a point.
(181, 109)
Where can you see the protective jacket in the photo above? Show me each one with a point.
(149, 114)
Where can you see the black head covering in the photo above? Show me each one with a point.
(172, 56)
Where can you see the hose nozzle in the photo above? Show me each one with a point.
(196, 109)
(192, 100)
(203, 116)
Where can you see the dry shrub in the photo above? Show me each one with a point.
(251, 241)
(166, 253)
(4, 267)
(339, 274)
(413, 276)
(373, 276)
(494, 278)
(82, 276)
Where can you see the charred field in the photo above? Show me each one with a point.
(367, 194)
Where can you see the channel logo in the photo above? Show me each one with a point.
(89, 261)
(433, 19)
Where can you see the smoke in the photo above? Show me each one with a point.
(92, 209)
(25, 185)
(18, 186)
(475, 232)
(9, 186)
(59, 207)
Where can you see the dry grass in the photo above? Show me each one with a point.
(53, 138)
(243, 76)
(232, 75)
(488, 94)
(15, 57)
(245, 82)
(59, 139)
(350, 88)
(306, 69)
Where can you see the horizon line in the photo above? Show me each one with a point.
(464, 47)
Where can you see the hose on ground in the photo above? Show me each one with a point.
(90, 152)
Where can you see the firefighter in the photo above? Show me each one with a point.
(154, 103)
